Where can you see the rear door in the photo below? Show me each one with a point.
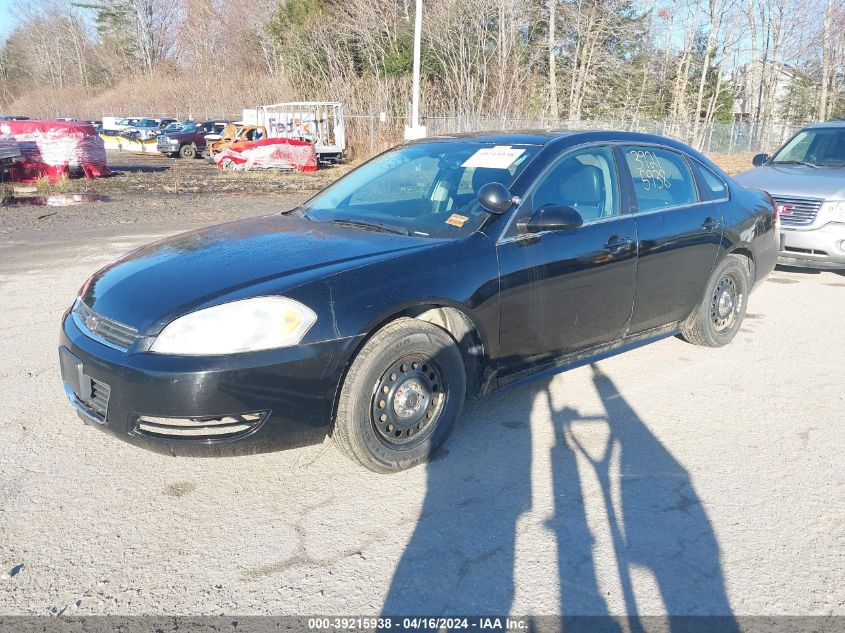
(679, 230)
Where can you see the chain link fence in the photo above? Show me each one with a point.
(722, 138)
(370, 133)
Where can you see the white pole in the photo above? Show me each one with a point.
(415, 107)
(416, 131)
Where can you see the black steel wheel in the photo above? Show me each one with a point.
(718, 317)
(401, 396)
(726, 302)
(408, 401)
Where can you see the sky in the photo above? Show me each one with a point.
(6, 17)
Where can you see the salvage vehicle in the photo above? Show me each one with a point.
(186, 140)
(268, 153)
(234, 133)
(441, 269)
(115, 125)
(10, 153)
(149, 128)
(129, 140)
(807, 181)
(320, 123)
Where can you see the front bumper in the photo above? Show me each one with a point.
(167, 148)
(293, 389)
(822, 248)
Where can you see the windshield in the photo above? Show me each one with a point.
(426, 189)
(823, 147)
(181, 127)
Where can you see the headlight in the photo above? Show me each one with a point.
(248, 325)
(173, 141)
(833, 211)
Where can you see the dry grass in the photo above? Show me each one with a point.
(733, 163)
(151, 175)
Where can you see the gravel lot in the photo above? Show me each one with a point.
(669, 479)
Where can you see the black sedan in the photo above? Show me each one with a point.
(441, 269)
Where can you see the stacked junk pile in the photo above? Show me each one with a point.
(53, 150)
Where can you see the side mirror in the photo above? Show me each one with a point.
(554, 217)
(759, 159)
(495, 197)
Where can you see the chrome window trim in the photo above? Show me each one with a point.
(677, 207)
(521, 236)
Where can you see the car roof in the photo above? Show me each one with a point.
(543, 137)
(835, 123)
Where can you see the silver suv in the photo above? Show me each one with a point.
(806, 178)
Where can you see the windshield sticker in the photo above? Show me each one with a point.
(498, 157)
(457, 220)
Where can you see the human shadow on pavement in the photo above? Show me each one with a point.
(461, 556)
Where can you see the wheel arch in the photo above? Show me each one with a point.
(446, 315)
(744, 250)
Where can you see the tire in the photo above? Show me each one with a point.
(719, 316)
(401, 396)
(187, 151)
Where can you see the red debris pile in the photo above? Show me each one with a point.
(56, 149)
(269, 153)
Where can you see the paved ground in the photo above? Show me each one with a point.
(672, 478)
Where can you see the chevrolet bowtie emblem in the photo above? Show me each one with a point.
(91, 322)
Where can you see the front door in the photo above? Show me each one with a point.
(678, 236)
(564, 291)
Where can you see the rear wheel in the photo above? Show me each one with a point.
(188, 151)
(401, 396)
(719, 316)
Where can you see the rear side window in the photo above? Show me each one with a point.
(715, 186)
(662, 178)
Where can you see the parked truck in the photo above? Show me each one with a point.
(317, 122)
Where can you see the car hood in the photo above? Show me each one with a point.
(796, 180)
(178, 135)
(156, 283)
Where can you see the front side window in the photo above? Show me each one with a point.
(585, 180)
(427, 189)
(662, 178)
(823, 147)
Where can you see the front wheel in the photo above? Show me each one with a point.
(401, 396)
(717, 319)
(188, 151)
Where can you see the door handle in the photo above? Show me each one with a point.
(617, 244)
(711, 224)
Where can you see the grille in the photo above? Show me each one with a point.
(99, 401)
(102, 327)
(202, 429)
(797, 211)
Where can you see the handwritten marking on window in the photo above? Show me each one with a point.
(649, 169)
